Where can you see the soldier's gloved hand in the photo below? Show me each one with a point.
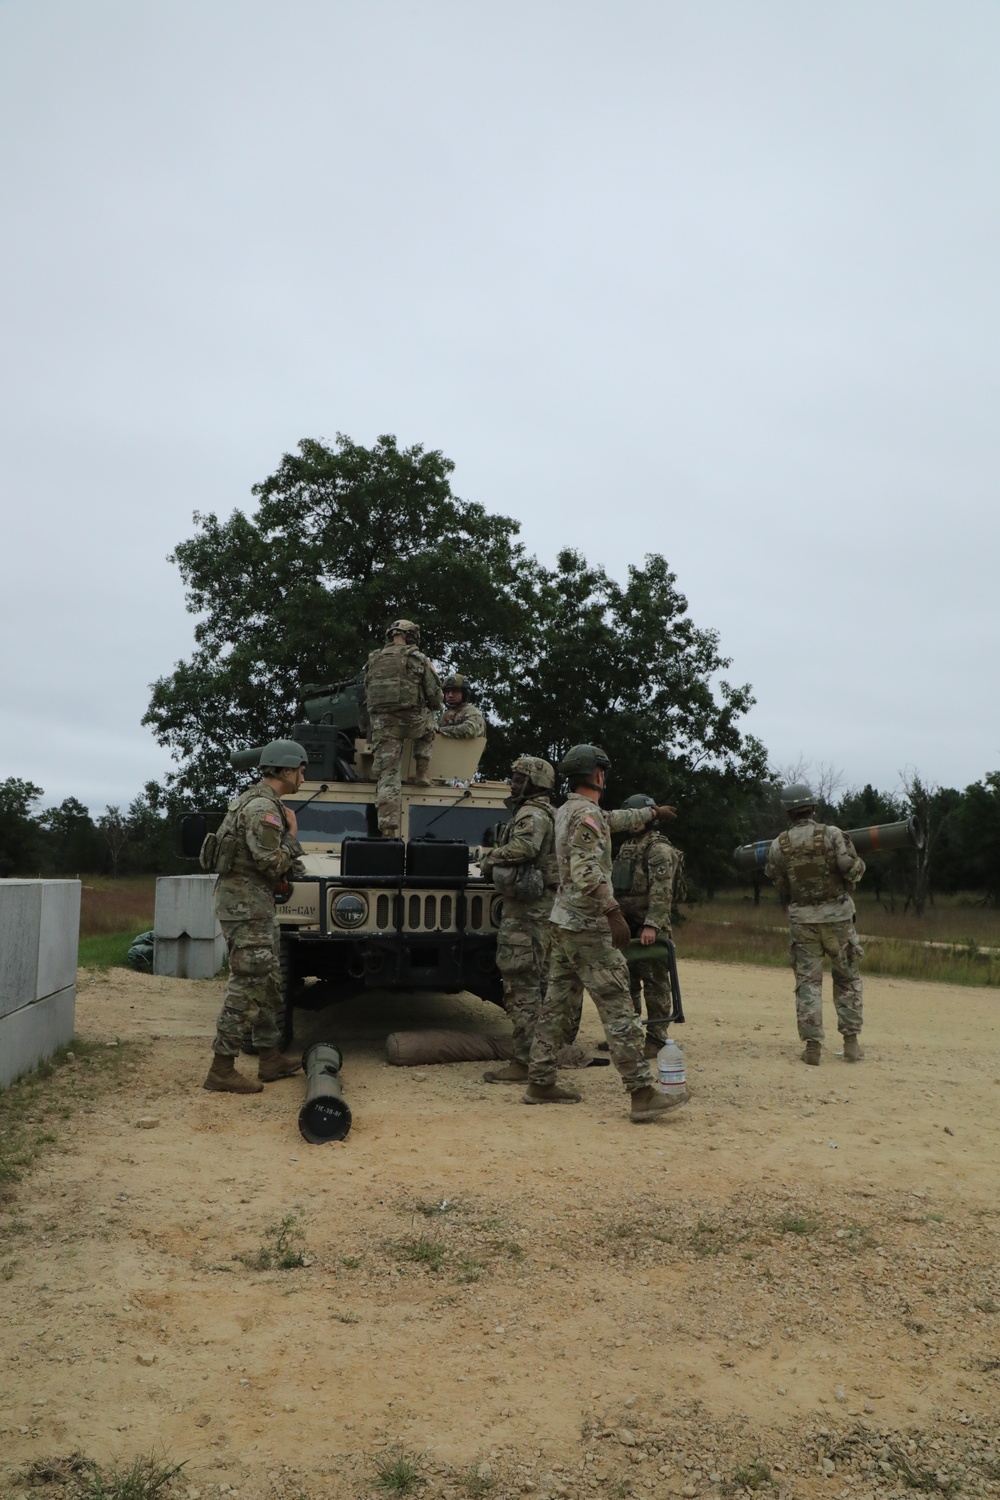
(647, 936)
(663, 814)
(621, 934)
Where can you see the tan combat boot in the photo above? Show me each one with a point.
(813, 1053)
(421, 766)
(652, 1103)
(388, 830)
(224, 1079)
(514, 1072)
(550, 1093)
(852, 1049)
(274, 1065)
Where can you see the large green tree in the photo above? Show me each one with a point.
(343, 539)
(625, 666)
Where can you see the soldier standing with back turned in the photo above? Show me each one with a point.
(816, 867)
(401, 692)
(646, 876)
(588, 929)
(523, 867)
(254, 851)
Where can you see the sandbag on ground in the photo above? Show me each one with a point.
(408, 1049)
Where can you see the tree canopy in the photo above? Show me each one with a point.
(346, 538)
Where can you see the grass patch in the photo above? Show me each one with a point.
(106, 950)
(143, 1478)
(116, 906)
(797, 1224)
(422, 1251)
(396, 1474)
(352, 1262)
(32, 1114)
(731, 929)
(284, 1253)
(751, 1476)
(475, 1483)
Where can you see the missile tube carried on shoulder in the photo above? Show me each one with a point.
(877, 838)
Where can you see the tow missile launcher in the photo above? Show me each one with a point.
(878, 838)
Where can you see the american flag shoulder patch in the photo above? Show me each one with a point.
(592, 823)
(273, 819)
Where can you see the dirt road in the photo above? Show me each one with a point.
(795, 1277)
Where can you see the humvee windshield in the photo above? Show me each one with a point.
(330, 822)
(474, 825)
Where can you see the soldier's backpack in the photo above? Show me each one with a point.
(393, 681)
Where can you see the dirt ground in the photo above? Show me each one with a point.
(792, 1286)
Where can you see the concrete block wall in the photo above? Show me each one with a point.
(187, 938)
(39, 939)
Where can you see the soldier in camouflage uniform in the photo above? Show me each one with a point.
(646, 875)
(523, 867)
(253, 853)
(588, 929)
(460, 718)
(401, 692)
(816, 867)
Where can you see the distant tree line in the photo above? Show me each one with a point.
(68, 840)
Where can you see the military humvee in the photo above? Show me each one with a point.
(374, 913)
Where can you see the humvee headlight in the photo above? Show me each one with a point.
(349, 910)
(496, 910)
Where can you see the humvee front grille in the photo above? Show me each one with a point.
(426, 912)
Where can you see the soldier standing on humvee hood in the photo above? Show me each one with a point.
(816, 867)
(401, 692)
(254, 850)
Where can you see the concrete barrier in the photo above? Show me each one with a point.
(187, 938)
(39, 941)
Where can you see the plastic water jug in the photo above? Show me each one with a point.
(670, 1064)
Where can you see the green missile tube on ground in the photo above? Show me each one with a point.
(877, 838)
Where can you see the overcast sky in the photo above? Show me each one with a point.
(718, 280)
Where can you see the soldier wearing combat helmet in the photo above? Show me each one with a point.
(460, 719)
(401, 693)
(646, 875)
(253, 853)
(588, 929)
(523, 868)
(816, 867)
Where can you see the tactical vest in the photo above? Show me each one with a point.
(220, 852)
(630, 871)
(394, 681)
(811, 880)
(529, 882)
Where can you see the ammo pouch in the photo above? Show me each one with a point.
(218, 852)
(209, 852)
(622, 876)
(529, 884)
(519, 882)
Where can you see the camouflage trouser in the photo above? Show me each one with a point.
(839, 941)
(387, 737)
(652, 980)
(588, 958)
(523, 944)
(254, 985)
